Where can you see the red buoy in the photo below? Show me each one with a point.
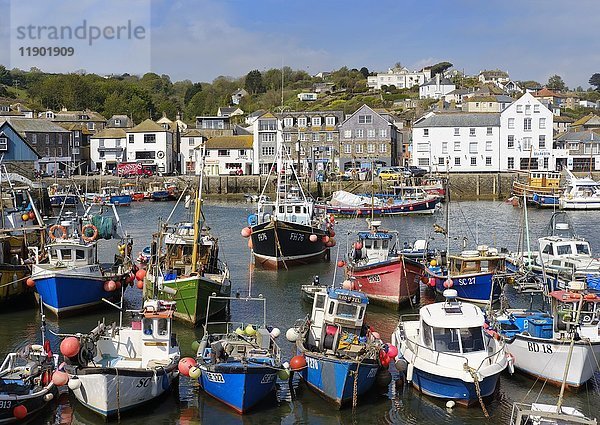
(331, 233)
(110, 286)
(140, 284)
(185, 365)
(298, 363)
(69, 347)
(60, 378)
(341, 263)
(325, 239)
(392, 351)
(20, 412)
(358, 246)
(246, 232)
(30, 282)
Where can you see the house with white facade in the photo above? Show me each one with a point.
(518, 138)
(227, 155)
(581, 150)
(189, 140)
(401, 78)
(436, 88)
(264, 133)
(107, 149)
(495, 76)
(150, 144)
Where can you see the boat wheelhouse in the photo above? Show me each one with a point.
(448, 354)
(542, 183)
(341, 353)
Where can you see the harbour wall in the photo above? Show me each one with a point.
(462, 186)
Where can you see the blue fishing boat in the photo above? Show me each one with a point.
(545, 200)
(342, 356)
(239, 367)
(73, 279)
(115, 196)
(477, 276)
(446, 352)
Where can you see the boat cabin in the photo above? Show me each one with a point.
(179, 241)
(414, 193)
(482, 260)
(337, 321)
(582, 188)
(565, 305)
(451, 326)
(377, 247)
(296, 211)
(71, 253)
(544, 179)
(556, 246)
(148, 340)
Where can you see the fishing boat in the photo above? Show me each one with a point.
(26, 386)
(22, 239)
(580, 194)
(541, 413)
(347, 204)
(478, 276)
(184, 260)
(447, 353)
(73, 279)
(60, 196)
(240, 363)
(132, 190)
(309, 291)
(562, 257)
(542, 342)
(116, 369)
(376, 268)
(157, 192)
(115, 195)
(287, 231)
(542, 183)
(339, 356)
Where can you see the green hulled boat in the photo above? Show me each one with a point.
(184, 267)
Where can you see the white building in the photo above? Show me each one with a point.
(188, 142)
(401, 78)
(151, 145)
(436, 88)
(107, 149)
(227, 155)
(518, 138)
(264, 131)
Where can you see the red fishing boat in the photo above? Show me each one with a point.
(377, 268)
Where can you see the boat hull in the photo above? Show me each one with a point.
(333, 378)
(455, 389)
(580, 204)
(389, 283)
(239, 386)
(400, 208)
(191, 297)
(13, 288)
(472, 288)
(109, 391)
(66, 294)
(546, 359)
(161, 195)
(121, 200)
(280, 244)
(34, 403)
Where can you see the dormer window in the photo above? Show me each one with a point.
(117, 121)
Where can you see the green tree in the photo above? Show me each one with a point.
(364, 71)
(556, 83)
(595, 81)
(191, 91)
(254, 82)
(439, 68)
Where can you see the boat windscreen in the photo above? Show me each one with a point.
(583, 248)
(471, 339)
(347, 310)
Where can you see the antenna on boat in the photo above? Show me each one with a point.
(335, 268)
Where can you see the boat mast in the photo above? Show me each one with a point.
(279, 164)
(198, 211)
(372, 193)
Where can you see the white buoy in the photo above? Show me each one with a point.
(48, 397)
(409, 372)
(275, 332)
(74, 383)
(450, 404)
(291, 335)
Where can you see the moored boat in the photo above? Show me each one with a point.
(116, 369)
(580, 194)
(377, 268)
(116, 196)
(448, 354)
(339, 356)
(541, 343)
(239, 365)
(542, 183)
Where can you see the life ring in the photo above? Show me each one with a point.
(89, 238)
(63, 232)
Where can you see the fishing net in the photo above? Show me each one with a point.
(106, 226)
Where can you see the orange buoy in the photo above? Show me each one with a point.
(341, 263)
(110, 286)
(30, 282)
(60, 378)
(69, 347)
(140, 284)
(185, 365)
(358, 246)
(246, 232)
(140, 274)
(298, 363)
(31, 215)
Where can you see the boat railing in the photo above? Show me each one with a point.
(445, 358)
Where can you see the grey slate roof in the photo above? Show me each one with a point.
(460, 120)
(36, 125)
(579, 136)
(443, 82)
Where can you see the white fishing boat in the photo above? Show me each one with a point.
(581, 193)
(541, 343)
(448, 355)
(116, 368)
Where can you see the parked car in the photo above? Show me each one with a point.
(390, 175)
(417, 171)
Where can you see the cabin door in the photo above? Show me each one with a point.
(318, 317)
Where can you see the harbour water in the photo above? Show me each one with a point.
(491, 223)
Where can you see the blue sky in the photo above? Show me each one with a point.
(200, 40)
